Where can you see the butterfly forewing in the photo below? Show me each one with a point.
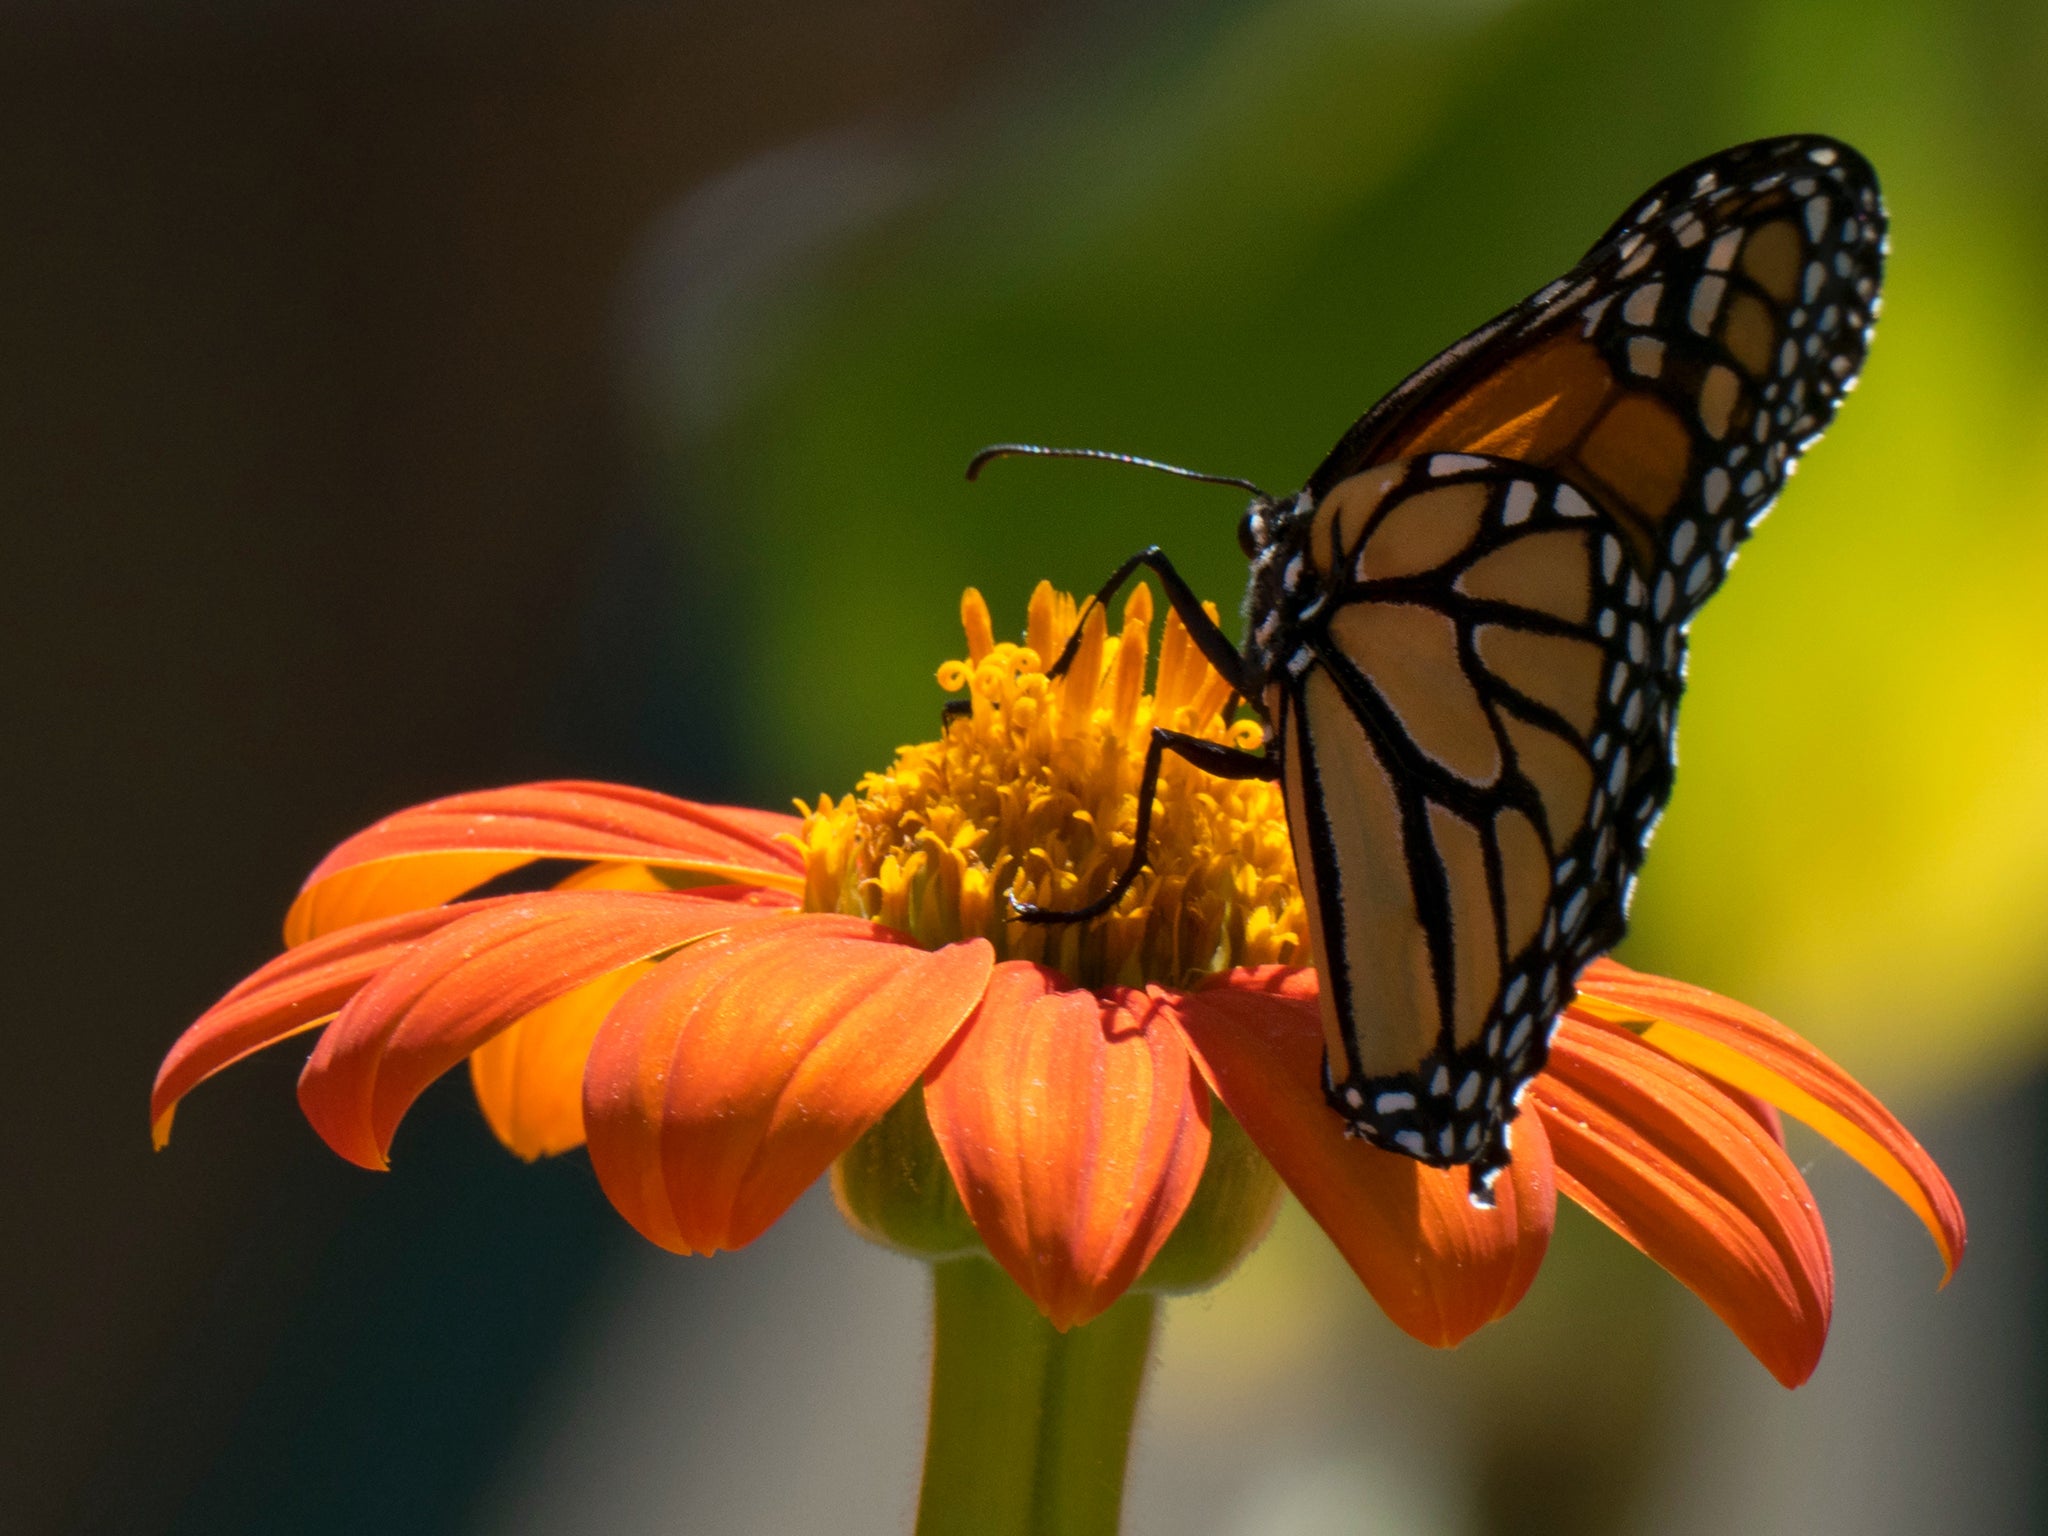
(1679, 369)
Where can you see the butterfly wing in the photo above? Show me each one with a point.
(1510, 547)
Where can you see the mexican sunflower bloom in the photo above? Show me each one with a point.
(723, 1003)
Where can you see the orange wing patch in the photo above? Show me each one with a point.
(1544, 572)
(1643, 452)
(1376, 939)
(1533, 409)
(1475, 966)
(1409, 653)
(1771, 256)
(1423, 533)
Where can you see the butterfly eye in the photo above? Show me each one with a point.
(1249, 527)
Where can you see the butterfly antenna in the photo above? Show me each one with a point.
(1036, 451)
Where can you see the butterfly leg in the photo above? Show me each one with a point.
(1212, 757)
(1214, 645)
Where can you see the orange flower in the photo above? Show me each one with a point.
(723, 1001)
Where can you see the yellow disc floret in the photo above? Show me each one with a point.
(1034, 792)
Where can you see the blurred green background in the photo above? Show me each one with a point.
(409, 399)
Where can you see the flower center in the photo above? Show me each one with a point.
(1034, 792)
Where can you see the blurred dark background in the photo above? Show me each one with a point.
(321, 499)
(395, 400)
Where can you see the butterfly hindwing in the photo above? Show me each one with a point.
(1469, 730)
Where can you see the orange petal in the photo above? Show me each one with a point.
(434, 852)
(1076, 1127)
(476, 977)
(1688, 1175)
(1439, 1266)
(529, 1079)
(299, 990)
(725, 1082)
(1755, 1054)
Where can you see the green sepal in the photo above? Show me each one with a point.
(894, 1188)
(1233, 1210)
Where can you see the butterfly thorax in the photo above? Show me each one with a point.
(1283, 591)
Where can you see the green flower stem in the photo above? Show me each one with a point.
(1030, 1427)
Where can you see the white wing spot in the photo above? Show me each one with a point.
(1521, 499)
(1645, 356)
(1641, 306)
(1454, 463)
(1706, 303)
(1391, 1103)
(1817, 210)
(1713, 491)
(1721, 254)
(1570, 503)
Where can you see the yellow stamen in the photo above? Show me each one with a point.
(1035, 793)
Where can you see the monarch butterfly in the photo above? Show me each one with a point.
(1467, 633)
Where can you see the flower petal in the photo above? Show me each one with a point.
(1439, 1266)
(1754, 1053)
(529, 1079)
(300, 990)
(1687, 1174)
(476, 977)
(1076, 1127)
(434, 852)
(728, 1080)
